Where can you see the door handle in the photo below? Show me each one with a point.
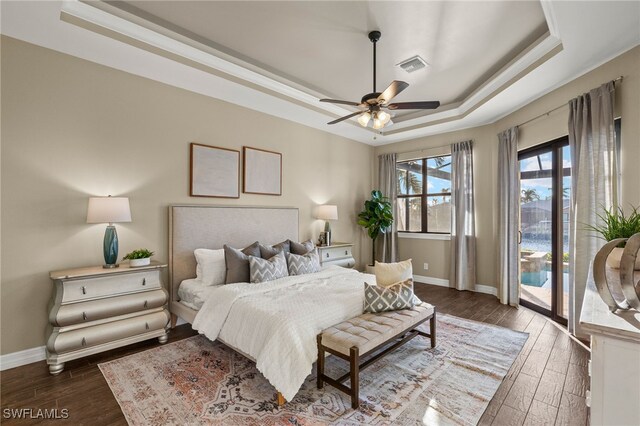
(519, 237)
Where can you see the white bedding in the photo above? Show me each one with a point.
(193, 293)
(277, 322)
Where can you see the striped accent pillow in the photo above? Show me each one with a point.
(303, 264)
(391, 298)
(262, 270)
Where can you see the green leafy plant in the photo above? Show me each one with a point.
(376, 218)
(615, 224)
(138, 254)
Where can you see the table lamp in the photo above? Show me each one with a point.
(109, 210)
(327, 212)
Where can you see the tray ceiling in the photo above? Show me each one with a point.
(485, 58)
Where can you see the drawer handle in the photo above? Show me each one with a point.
(84, 290)
(346, 252)
(144, 281)
(84, 342)
(146, 325)
(327, 254)
(84, 316)
(146, 304)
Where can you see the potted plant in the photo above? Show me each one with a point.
(376, 218)
(615, 224)
(139, 257)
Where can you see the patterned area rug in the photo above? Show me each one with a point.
(198, 382)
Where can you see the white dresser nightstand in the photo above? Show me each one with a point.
(614, 367)
(340, 254)
(95, 309)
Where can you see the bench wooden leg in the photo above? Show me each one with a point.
(320, 363)
(355, 377)
(432, 329)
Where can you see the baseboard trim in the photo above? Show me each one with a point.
(20, 358)
(479, 288)
(486, 289)
(431, 280)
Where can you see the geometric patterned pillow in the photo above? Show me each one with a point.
(303, 264)
(262, 270)
(392, 298)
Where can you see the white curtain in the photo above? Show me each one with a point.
(595, 184)
(508, 217)
(387, 184)
(463, 225)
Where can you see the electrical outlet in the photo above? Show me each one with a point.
(426, 266)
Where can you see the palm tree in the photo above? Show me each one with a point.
(529, 195)
(415, 185)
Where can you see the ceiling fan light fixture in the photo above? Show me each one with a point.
(377, 124)
(384, 117)
(364, 119)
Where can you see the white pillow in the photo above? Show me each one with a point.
(390, 273)
(211, 269)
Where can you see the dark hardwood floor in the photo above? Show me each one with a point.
(546, 384)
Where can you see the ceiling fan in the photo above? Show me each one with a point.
(374, 103)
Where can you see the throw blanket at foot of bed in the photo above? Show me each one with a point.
(276, 322)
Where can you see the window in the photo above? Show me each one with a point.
(424, 195)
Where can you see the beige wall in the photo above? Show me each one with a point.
(538, 131)
(73, 129)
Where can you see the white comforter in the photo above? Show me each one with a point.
(277, 322)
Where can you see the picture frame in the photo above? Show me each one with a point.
(262, 171)
(215, 171)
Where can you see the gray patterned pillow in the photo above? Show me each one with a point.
(301, 248)
(303, 264)
(392, 298)
(262, 270)
(237, 262)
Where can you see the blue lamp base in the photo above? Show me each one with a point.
(110, 247)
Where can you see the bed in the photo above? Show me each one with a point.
(274, 323)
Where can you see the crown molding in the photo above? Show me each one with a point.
(131, 29)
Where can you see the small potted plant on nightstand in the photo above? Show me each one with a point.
(139, 257)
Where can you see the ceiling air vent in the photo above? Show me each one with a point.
(412, 64)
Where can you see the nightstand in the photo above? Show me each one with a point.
(95, 309)
(340, 254)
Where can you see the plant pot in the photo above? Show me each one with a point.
(370, 269)
(134, 263)
(616, 255)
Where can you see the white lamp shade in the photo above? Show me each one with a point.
(108, 210)
(327, 212)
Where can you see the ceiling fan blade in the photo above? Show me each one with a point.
(415, 105)
(335, 101)
(392, 91)
(346, 117)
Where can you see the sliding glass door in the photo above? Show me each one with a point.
(545, 183)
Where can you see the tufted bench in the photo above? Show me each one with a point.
(366, 334)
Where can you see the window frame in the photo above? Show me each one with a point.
(424, 197)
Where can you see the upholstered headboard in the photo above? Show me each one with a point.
(192, 227)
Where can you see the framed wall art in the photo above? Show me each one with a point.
(215, 172)
(262, 171)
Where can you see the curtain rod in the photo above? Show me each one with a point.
(555, 109)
